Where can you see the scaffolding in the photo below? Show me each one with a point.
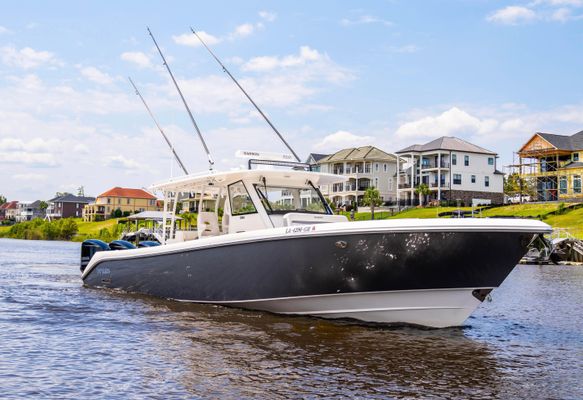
(547, 169)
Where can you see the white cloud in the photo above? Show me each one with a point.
(268, 16)
(451, 122)
(189, 39)
(308, 64)
(243, 30)
(95, 75)
(29, 177)
(142, 60)
(4, 30)
(341, 140)
(409, 48)
(31, 159)
(364, 20)
(512, 15)
(27, 57)
(121, 162)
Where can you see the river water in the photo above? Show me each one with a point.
(61, 340)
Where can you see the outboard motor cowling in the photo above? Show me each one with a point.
(89, 248)
(148, 243)
(121, 245)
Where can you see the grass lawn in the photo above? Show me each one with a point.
(426, 212)
(573, 220)
(4, 228)
(88, 230)
(521, 210)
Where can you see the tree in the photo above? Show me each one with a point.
(372, 198)
(422, 190)
(514, 184)
(81, 191)
(331, 204)
(2, 199)
(43, 206)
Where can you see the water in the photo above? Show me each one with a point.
(61, 340)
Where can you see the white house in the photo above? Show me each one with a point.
(453, 169)
(365, 167)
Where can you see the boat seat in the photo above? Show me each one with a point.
(208, 224)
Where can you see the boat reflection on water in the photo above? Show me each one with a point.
(224, 351)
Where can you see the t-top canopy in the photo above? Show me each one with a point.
(214, 179)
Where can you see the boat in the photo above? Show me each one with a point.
(273, 244)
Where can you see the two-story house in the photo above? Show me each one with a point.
(453, 169)
(29, 210)
(365, 167)
(554, 164)
(127, 200)
(67, 205)
(8, 211)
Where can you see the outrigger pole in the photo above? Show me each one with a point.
(208, 153)
(159, 128)
(247, 95)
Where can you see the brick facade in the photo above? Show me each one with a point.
(466, 196)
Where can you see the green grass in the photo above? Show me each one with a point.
(426, 212)
(88, 230)
(521, 210)
(572, 220)
(4, 228)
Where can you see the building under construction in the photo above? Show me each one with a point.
(551, 163)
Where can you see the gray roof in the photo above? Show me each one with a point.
(564, 142)
(447, 143)
(316, 156)
(576, 164)
(359, 153)
(70, 198)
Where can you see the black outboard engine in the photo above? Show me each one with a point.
(89, 248)
(148, 243)
(121, 245)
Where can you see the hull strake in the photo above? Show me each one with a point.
(300, 266)
(438, 308)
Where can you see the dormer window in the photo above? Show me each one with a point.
(575, 156)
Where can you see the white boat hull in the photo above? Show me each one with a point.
(438, 308)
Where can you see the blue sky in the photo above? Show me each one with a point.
(330, 74)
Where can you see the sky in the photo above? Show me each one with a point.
(329, 74)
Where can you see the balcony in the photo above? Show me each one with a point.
(433, 165)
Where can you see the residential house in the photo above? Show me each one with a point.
(11, 210)
(365, 167)
(453, 169)
(127, 200)
(8, 211)
(67, 205)
(29, 210)
(554, 164)
(313, 159)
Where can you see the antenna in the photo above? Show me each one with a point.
(247, 95)
(208, 153)
(159, 128)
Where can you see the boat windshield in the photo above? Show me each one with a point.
(283, 200)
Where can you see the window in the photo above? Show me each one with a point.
(385, 167)
(575, 156)
(490, 160)
(473, 178)
(390, 184)
(128, 201)
(108, 200)
(453, 159)
(457, 179)
(577, 184)
(118, 201)
(487, 181)
(376, 167)
(467, 161)
(563, 185)
(283, 200)
(376, 182)
(240, 200)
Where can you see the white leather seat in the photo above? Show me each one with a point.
(208, 224)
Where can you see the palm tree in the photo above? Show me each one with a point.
(372, 198)
(422, 190)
